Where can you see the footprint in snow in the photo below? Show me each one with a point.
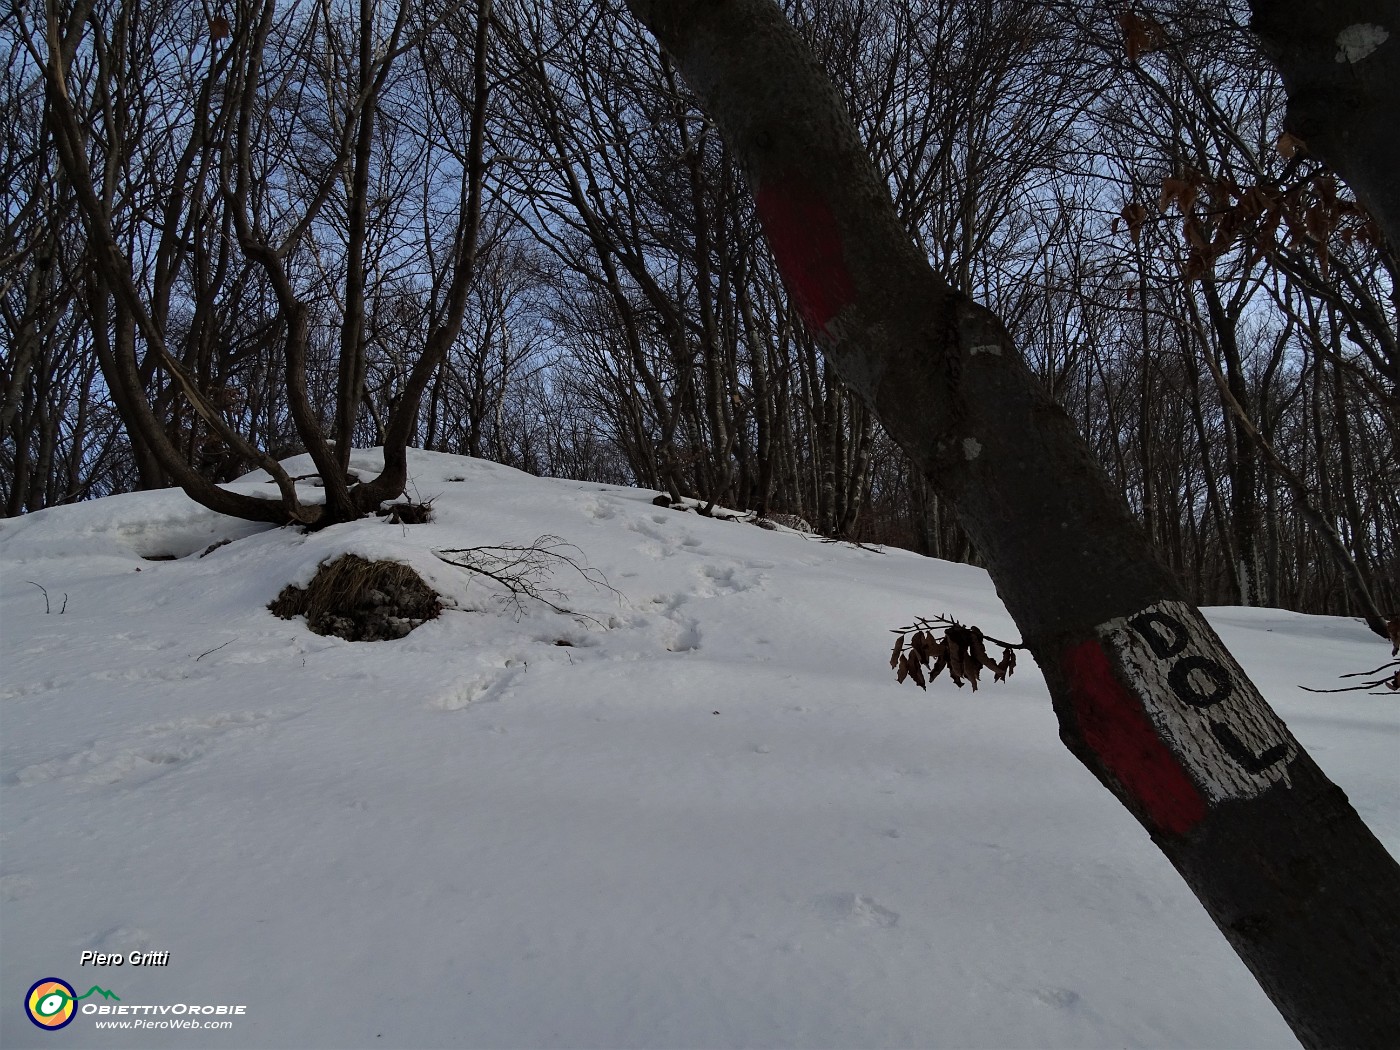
(687, 636)
(601, 509)
(1061, 997)
(717, 580)
(121, 940)
(13, 887)
(855, 909)
(141, 754)
(494, 685)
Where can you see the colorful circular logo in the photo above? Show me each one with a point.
(50, 1003)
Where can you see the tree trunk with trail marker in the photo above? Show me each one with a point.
(1147, 696)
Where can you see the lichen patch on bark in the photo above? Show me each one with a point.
(1356, 42)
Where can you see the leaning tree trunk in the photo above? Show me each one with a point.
(1147, 696)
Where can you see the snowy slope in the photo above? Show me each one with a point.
(712, 819)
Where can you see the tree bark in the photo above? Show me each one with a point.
(1340, 63)
(1147, 696)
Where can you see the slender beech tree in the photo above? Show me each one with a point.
(1147, 696)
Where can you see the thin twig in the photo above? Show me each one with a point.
(521, 570)
(1378, 670)
(1391, 682)
(216, 648)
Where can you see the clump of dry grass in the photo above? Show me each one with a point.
(361, 600)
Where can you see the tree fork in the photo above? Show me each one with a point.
(1146, 695)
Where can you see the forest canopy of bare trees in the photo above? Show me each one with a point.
(507, 230)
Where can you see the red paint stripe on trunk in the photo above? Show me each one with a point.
(801, 229)
(1115, 727)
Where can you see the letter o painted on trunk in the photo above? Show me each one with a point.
(1179, 677)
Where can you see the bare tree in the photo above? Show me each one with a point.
(243, 182)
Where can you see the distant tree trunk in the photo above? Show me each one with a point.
(1147, 696)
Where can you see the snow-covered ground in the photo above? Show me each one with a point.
(711, 819)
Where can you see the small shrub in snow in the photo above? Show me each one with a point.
(360, 600)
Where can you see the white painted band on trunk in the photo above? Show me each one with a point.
(1210, 715)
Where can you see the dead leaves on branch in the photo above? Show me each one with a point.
(1217, 214)
(961, 650)
(1142, 34)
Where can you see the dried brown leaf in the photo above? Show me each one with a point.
(1141, 35)
(1182, 192)
(1006, 667)
(979, 650)
(1290, 145)
(955, 664)
(898, 648)
(917, 673)
(1134, 214)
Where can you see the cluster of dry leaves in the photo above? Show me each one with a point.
(1307, 213)
(962, 650)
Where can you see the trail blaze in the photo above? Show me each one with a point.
(1115, 727)
(801, 229)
